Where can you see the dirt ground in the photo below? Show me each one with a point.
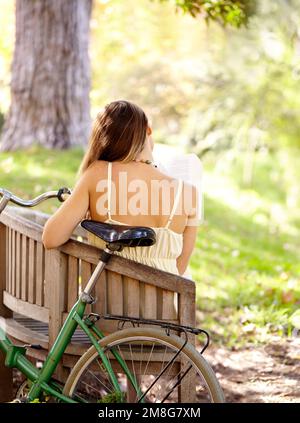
(259, 374)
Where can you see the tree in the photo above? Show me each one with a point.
(50, 75)
(51, 70)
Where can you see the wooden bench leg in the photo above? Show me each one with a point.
(187, 312)
(6, 381)
(187, 387)
(131, 392)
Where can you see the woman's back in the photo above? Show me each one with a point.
(138, 194)
(141, 195)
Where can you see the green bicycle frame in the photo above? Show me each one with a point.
(41, 379)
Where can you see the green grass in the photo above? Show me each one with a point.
(33, 171)
(247, 260)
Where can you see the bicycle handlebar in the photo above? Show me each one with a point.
(62, 194)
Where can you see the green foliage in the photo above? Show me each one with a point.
(114, 397)
(35, 401)
(232, 12)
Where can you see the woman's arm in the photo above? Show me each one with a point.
(189, 234)
(60, 226)
(189, 239)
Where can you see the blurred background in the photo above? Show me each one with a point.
(230, 94)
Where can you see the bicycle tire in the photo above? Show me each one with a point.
(189, 350)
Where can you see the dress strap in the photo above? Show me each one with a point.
(109, 169)
(176, 201)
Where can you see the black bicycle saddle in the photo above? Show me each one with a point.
(128, 236)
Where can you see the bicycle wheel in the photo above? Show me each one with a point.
(146, 352)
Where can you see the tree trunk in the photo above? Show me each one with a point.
(50, 75)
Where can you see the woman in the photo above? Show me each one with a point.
(119, 183)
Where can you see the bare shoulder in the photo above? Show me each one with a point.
(92, 174)
(96, 170)
(96, 166)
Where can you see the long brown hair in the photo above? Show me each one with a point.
(118, 134)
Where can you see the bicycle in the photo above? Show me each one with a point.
(116, 367)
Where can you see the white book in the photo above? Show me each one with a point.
(179, 165)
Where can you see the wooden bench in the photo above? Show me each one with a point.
(38, 287)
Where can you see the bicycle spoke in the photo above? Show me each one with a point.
(93, 374)
(148, 360)
(141, 360)
(132, 362)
